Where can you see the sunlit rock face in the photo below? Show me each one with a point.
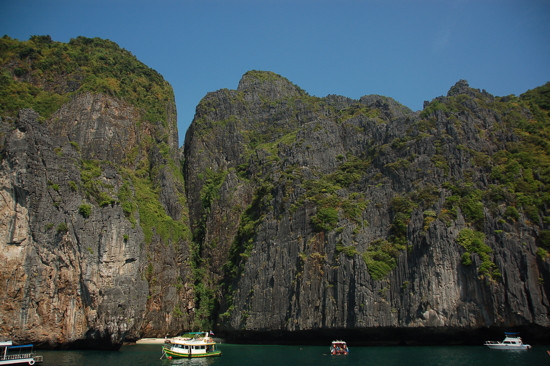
(94, 232)
(77, 278)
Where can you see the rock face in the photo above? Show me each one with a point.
(294, 218)
(91, 198)
(85, 271)
(332, 215)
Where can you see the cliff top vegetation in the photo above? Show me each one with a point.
(43, 74)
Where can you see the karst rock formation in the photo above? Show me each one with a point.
(285, 217)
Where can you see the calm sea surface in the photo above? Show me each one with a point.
(244, 355)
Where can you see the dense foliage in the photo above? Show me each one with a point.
(43, 74)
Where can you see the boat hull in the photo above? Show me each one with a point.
(18, 361)
(501, 346)
(173, 354)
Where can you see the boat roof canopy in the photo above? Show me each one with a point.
(21, 346)
(511, 333)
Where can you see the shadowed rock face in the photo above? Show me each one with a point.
(287, 276)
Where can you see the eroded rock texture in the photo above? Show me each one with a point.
(77, 270)
(296, 218)
(332, 214)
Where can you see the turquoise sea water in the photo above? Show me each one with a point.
(246, 355)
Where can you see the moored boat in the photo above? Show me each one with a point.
(339, 348)
(200, 345)
(511, 342)
(17, 355)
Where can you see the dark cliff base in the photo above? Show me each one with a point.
(93, 341)
(388, 336)
(103, 345)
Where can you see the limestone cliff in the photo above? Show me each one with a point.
(95, 245)
(317, 216)
(286, 216)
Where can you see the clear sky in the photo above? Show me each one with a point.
(410, 50)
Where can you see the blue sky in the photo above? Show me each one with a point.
(409, 50)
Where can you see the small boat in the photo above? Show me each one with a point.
(511, 342)
(17, 355)
(339, 348)
(200, 345)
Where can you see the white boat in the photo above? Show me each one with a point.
(200, 345)
(17, 355)
(511, 341)
(339, 348)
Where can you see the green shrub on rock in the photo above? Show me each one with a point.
(62, 228)
(473, 242)
(381, 257)
(85, 210)
(326, 219)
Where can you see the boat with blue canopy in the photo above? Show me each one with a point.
(18, 355)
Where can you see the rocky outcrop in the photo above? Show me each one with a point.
(77, 268)
(95, 233)
(55, 267)
(294, 218)
(338, 214)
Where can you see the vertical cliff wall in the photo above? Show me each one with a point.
(298, 215)
(322, 214)
(95, 239)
